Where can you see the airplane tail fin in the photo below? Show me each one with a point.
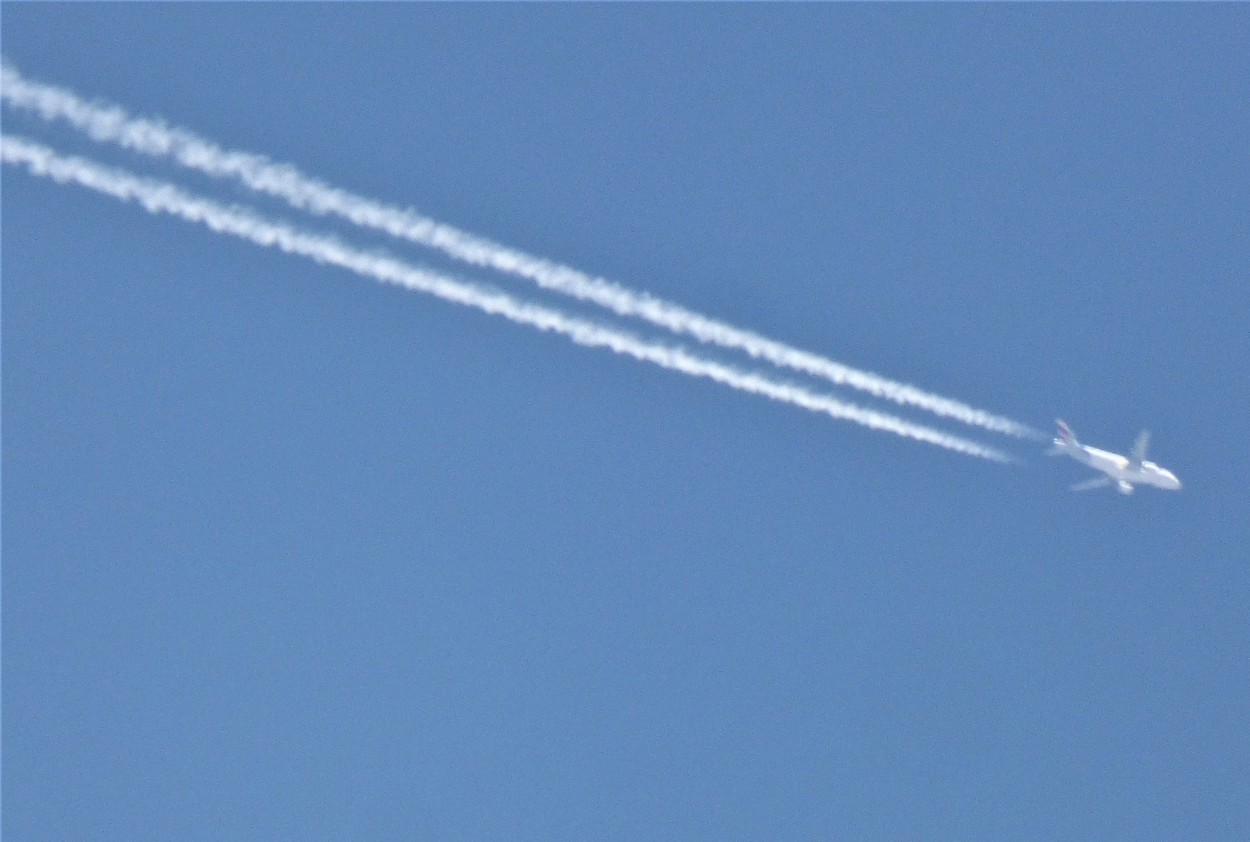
(1065, 439)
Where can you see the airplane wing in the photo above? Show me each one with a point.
(1099, 482)
(1138, 454)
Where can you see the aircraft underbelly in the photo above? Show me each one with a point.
(1109, 463)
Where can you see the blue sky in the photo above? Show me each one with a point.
(290, 554)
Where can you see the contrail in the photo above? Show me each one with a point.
(163, 197)
(156, 138)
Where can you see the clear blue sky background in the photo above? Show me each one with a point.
(291, 555)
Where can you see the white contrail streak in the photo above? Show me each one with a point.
(162, 197)
(154, 137)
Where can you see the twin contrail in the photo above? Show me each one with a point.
(163, 197)
(110, 123)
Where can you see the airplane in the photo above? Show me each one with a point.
(1122, 472)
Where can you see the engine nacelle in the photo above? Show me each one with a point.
(1124, 487)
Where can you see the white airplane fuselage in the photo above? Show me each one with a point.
(1121, 471)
